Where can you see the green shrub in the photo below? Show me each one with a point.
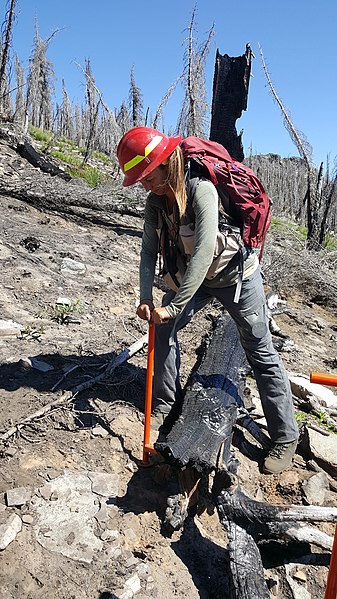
(72, 160)
(101, 156)
(330, 242)
(40, 135)
(299, 231)
(90, 174)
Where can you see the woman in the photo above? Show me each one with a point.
(201, 262)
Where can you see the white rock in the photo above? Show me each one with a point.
(99, 431)
(303, 388)
(72, 268)
(18, 496)
(133, 583)
(9, 328)
(9, 529)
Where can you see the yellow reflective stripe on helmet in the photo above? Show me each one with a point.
(148, 149)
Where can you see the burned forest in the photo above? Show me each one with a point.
(88, 508)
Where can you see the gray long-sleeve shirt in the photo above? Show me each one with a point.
(204, 252)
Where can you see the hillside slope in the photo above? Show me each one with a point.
(91, 515)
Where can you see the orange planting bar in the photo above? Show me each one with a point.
(331, 585)
(323, 379)
(147, 447)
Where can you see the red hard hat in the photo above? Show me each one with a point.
(141, 150)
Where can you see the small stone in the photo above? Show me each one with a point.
(27, 519)
(109, 535)
(99, 431)
(115, 444)
(133, 584)
(63, 301)
(46, 491)
(102, 514)
(300, 575)
(315, 488)
(143, 570)
(11, 451)
(18, 496)
(72, 268)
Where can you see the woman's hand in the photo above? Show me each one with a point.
(160, 315)
(144, 310)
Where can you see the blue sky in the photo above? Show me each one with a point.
(298, 38)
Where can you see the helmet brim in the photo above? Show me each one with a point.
(173, 142)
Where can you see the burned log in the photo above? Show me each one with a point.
(230, 93)
(200, 442)
(38, 160)
(212, 404)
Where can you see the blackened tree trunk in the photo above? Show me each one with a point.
(4, 54)
(230, 93)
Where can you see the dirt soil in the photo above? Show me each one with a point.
(100, 430)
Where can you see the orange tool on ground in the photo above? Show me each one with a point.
(323, 378)
(147, 447)
(331, 585)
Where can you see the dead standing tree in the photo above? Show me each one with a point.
(39, 107)
(5, 44)
(135, 101)
(192, 118)
(230, 94)
(319, 195)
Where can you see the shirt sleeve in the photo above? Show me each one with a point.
(205, 205)
(149, 251)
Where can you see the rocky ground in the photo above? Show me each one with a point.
(80, 517)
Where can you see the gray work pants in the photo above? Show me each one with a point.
(251, 319)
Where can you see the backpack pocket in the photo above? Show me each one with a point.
(227, 244)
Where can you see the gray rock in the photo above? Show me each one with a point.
(315, 488)
(324, 450)
(104, 484)
(67, 526)
(72, 268)
(18, 496)
(10, 526)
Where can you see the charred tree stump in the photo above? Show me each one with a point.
(230, 93)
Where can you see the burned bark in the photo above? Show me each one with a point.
(230, 93)
(213, 403)
(27, 151)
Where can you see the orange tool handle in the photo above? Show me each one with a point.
(323, 379)
(331, 585)
(147, 448)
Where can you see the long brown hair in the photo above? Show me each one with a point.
(176, 179)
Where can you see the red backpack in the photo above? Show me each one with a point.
(239, 183)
